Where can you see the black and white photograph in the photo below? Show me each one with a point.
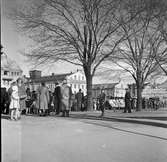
(83, 80)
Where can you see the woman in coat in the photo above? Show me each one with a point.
(22, 95)
(43, 99)
(66, 99)
(14, 102)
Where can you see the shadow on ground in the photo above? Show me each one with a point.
(127, 120)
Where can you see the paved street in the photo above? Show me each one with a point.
(48, 139)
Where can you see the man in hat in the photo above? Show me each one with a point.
(102, 99)
(57, 97)
(79, 98)
(127, 101)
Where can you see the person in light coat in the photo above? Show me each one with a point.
(66, 94)
(43, 99)
(22, 95)
(14, 102)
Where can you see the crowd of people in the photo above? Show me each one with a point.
(18, 100)
(130, 103)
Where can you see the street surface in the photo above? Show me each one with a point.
(58, 139)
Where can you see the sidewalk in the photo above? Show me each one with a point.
(154, 118)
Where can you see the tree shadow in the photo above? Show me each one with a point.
(118, 129)
(123, 130)
(150, 123)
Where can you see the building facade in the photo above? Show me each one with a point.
(76, 80)
(10, 71)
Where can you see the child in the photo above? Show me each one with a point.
(14, 103)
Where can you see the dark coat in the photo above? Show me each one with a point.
(57, 93)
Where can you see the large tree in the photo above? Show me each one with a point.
(144, 46)
(161, 58)
(82, 32)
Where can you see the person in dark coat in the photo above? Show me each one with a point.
(3, 99)
(102, 99)
(127, 101)
(57, 98)
(79, 98)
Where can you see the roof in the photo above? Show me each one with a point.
(104, 86)
(55, 77)
(9, 64)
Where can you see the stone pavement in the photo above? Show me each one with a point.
(154, 118)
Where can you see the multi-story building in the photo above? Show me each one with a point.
(10, 71)
(76, 80)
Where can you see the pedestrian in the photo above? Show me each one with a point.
(22, 95)
(14, 102)
(102, 99)
(43, 99)
(28, 100)
(66, 94)
(57, 98)
(50, 104)
(79, 98)
(4, 101)
(127, 101)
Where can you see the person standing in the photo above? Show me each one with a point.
(57, 98)
(14, 102)
(28, 100)
(43, 99)
(127, 101)
(79, 98)
(66, 94)
(22, 95)
(102, 99)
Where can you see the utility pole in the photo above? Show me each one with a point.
(1, 50)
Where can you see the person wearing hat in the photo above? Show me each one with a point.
(22, 95)
(66, 94)
(127, 101)
(14, 102)
(43, 99)
(102, 99)
(79, 98)
(57, 98)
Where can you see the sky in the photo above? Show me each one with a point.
(13, 42)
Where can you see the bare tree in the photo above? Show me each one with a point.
(142, 48)
(162, 26)
(82, 32)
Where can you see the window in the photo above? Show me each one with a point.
(82, 86)
(82, 77)
(75, 77)
(17, 73)
(12, 73)
(78, 86)
(5, 72)
(75, 86)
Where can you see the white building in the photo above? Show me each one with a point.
(77, 81)
(10, 71)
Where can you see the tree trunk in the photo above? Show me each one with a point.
(139, 94)
(89, 92)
